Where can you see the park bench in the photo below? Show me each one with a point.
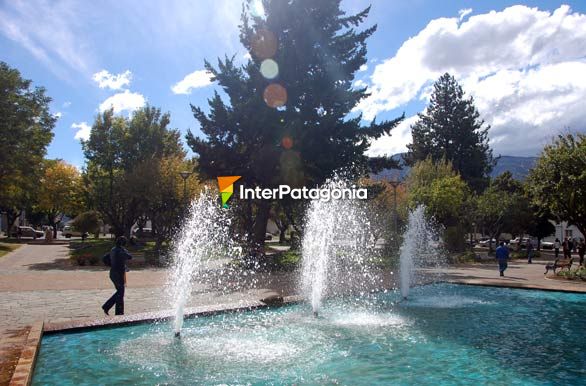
(561, 264)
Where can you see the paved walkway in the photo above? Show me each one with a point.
(37, 282)
(519, 274)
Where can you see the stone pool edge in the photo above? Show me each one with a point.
(522, 286)
(23, 373)
(163, 316)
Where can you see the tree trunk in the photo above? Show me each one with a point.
(11, 216)
(260, 223)
(127, 228)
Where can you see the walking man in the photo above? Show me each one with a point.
(117, 258)
(502, 255)
(556, 247)
(581, 251)
(566, 248)
(529, 252)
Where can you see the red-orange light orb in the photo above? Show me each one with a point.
(264, 44)
(275, 95)
(287, 142)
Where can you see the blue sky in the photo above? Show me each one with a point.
(525, 63)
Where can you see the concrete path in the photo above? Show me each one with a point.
(519, 274)
(48, 267)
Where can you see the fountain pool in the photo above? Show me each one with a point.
(444, 334)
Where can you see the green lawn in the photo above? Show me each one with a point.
(7, 247)
(91, 252)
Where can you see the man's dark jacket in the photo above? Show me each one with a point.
(118, 258)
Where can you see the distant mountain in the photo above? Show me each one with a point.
(518, 166)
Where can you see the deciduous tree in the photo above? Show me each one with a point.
(557, 183)
(445, 196)
(26, 129)
(117, 151)
(60, 192)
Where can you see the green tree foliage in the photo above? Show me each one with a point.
(165, 197)
(60, 193)
(557, 183)
(87, 222)
(450, 128)
(294, 129)
(26, 129)
(445, 196)
(540, 227)
(503, 207)
(123, 155)
(437, 186)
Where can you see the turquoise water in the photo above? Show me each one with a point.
(444, 335)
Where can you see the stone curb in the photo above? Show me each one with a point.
(521, 286)
(23, 373)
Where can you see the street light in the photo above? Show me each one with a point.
(395, 184)
(185, 175)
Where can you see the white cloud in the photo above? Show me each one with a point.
(114, 82)
(463, 13)
(49, 30)
(394, 143)
(83, 131)
(123, 101)
(364, 67)
(197, 79)
(66, 104)
(58, 114)
(525, 68)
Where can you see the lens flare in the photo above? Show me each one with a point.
(275, 95)
(264, 44)
(257, 9)
(287, 142)
(269, 69)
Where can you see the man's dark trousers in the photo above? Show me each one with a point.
(118, 297)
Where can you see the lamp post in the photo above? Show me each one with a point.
(185, 175)
(395, 184)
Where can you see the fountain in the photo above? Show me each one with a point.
(420, 247)
(335, 246)
(203, 238)
(362, 339)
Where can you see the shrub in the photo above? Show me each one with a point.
(290, 259)
(87, 222)
(87, 259)
(454, 238)
(464, 257)
(573, 274)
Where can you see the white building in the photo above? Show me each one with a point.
(563, 230)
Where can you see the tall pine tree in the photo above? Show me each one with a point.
(287, 119)
(451, 129)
